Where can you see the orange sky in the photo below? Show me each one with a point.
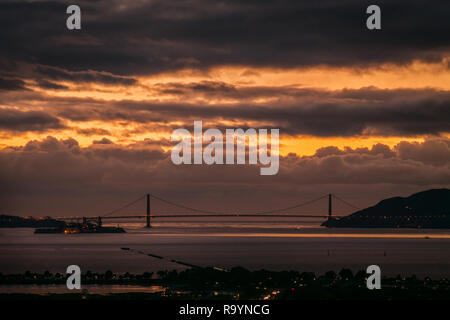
(417, 75)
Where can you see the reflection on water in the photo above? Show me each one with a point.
(91, 289)
(316, 235)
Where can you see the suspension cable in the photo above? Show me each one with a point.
(347, 203)
(183, 206)
(294, 206)
(123, 207)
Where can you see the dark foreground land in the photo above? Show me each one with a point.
(240, 284)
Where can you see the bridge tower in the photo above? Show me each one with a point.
(329, 206)
(148, 211)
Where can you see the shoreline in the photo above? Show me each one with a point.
(235, 284)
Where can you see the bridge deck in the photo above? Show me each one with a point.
(203, 216)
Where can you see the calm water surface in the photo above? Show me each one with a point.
(254, 244)
(92, 289)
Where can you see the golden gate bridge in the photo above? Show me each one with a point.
(199, 213)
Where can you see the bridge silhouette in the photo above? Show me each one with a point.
(198, 213)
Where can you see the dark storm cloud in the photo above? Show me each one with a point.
(92, 131)
(294, 111)
(51, 85)
(102, 141)
(134, 37)
(434, 152)
(11, 84)
(319, 113)
(209, 88)
(15, 120)
(222, 90)
(375, 150)
(58, 74)
(103, 176)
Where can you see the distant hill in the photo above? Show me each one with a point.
(426, 209)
